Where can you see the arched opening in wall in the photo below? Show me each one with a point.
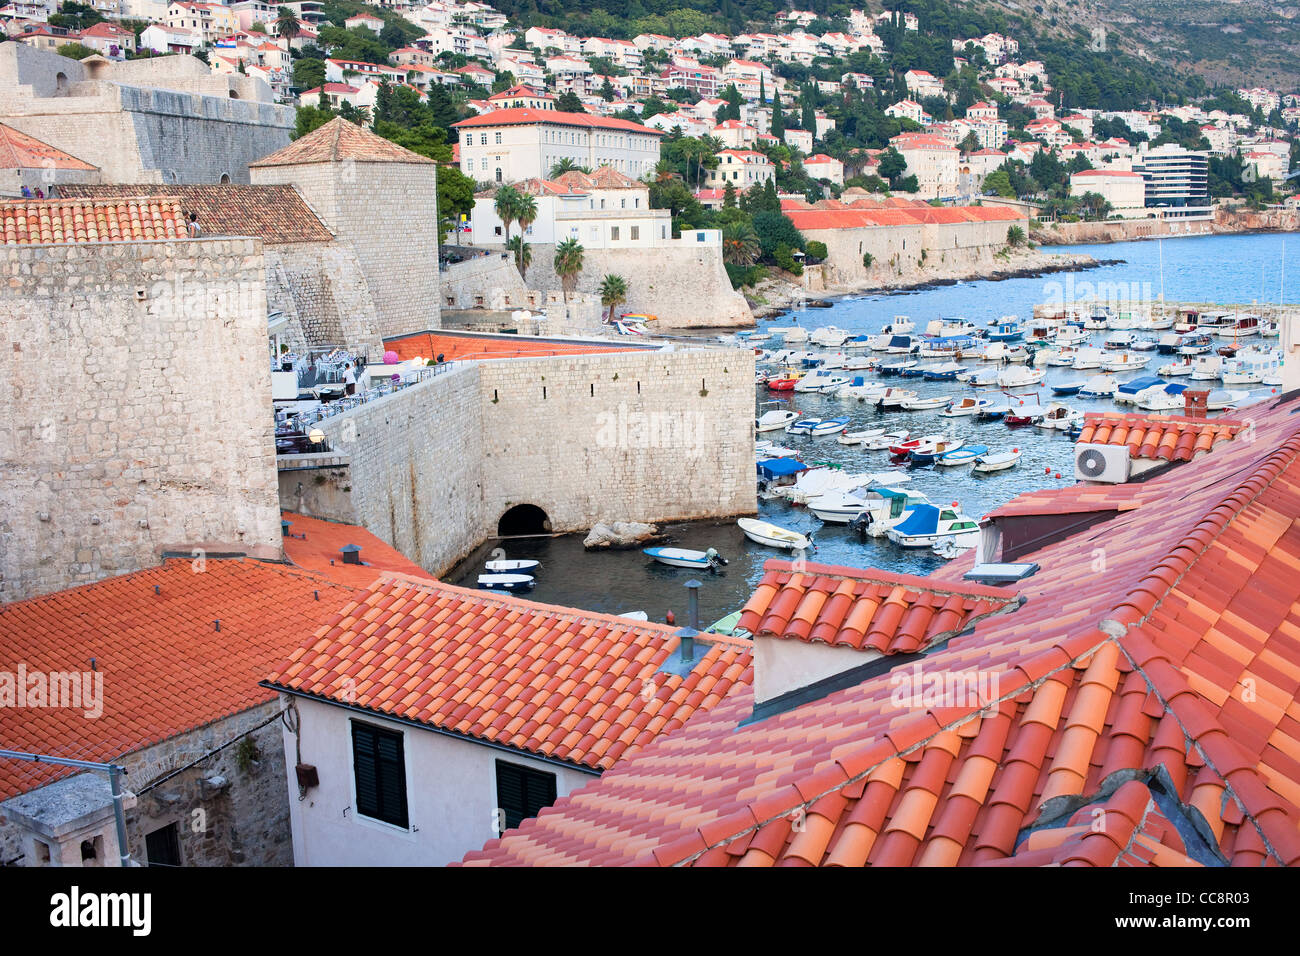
(233, 95)
(225, 179)
(523, 519)
(60, 83)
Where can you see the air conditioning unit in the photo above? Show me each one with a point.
(1107, 463)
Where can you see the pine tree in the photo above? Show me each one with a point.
(778, 121)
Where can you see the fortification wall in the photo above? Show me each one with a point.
(138, 415)
(685, 286)
(487, 282)
(902, 252)
(322, 288)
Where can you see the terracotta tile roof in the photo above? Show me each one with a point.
(528, 117)
(340, 140)
(1173, 665)
(866, 609)
(566, 684)
(865, 213)
(166, 668)
(274, 214)
(20, 151)
(1158, 437)
(315, 544)
(48, 221)
(452, 347)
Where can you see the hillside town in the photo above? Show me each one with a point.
(431, 439)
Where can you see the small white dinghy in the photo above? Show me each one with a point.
(773, 536)
(887, 440)
(686, 558)
(512, 567)
(774, 420)
(921, 404)
(998, 461)
(857, 438)
(507, 582)
(960, 407)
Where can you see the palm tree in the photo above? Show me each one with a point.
(740, 246)
(613, 293)
(566, 165)
(1015, 236)
(523, 254)
(568, 264)
(526, 214)
(286, 24)
(507, 207)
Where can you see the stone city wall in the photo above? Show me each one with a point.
(137, 414)
(487, 282)
(322, 289)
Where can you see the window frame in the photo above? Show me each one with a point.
(401, 820)
(548, 780)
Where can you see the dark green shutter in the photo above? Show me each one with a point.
(380, 770)
(522, 792)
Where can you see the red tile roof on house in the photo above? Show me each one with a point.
(20, 151)
(315, 544)
(1158, 437)
(865, 213)
(866, 609)
(340, 140)
(452, 347)
(565, 684)
(166, 668)
(1174, 665)
(1108, 172)
(531, 117)
(276, 214)
(50, 221)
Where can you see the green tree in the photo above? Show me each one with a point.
(75, 51)
(740, 246)
(286, 24)
(892, 164)
(999, 183)
(507, 207)
(567, 165)
(775, 229)
(310, 118)
(778, 120)
(526, 214)
(607, 91)
(568, 265)
(568, 102)
(523, 254)
(308, 73)
(613, 293)
(729, 196)
(1015, 236)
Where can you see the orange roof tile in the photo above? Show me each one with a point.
(528, 117)
(867, 609)
(532, 667)
(316, 545)
(166, 668)
(20, 151)
(340, 140)
(51, 221)
(1173, 665)
(428, 345)
(1158, 437)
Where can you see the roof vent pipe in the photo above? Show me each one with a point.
(692, 629)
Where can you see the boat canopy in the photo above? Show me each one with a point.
(780, 467)
(1139, 383)
(924, 519)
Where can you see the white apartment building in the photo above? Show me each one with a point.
(800, 139)
(1124, 190)
(1177, 180)
(742, 168)
(907, 109)
(923, 83)
(932, 161)
(211, 21)
(505, 146)
(545, 39)
(825, 167)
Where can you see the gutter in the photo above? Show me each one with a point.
(407, 721)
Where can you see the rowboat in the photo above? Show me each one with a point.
(828, 426)
(1019, 415)
(921, 404)
(857, 438)
(774, 420)
(905, 448)
(802, 426)
(886, 440)
(1067, 388)
(774, 536)
(928, 454)
(961, 456)
(782, 384)
(685, 558)
(999, 461)
(511, 567)
(960, 407)
(507, 582)
(894, 398)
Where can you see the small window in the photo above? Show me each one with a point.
(636, 233)
(522, 792)
(163, 846)
(379, 766)
(498, 137)
(613, 233)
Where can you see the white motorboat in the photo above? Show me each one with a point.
(820, 380)
(1124, 362)
(820, 481)
(983, 378)
(791, 335)
(506, 566)
(885, 507)
(1071, 334)
(887, 440)
(997, 461)
(860, 388)
(775, 420)
(1252, 367)
(1099, 386)
(828, 426)
(686, 558)
(840, 507)
(768, 450)
(1221, 398)
(1017, 376)
(774, 536)
(1087, 358)
(922, 404)
(894, 398)
(900, 326)
(1175, 369)
(507, 582)
(828, 336)
(1120, 341)
(964, 455)
(1059, 417)
(928, 525)
(961, 407)
(859, 437)
(802, 426)
(1207, 368)
(1161, 398)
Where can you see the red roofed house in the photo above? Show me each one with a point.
(742, 168)
(1144, 670)
(825, 167)
(1125, 190)
(471, 713)
(507, 145)
(932, 161)
(109, 39)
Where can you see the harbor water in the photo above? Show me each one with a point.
(1227, 269)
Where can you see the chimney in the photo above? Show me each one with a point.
(1195, 401)
(1290, 322)
(351, 554)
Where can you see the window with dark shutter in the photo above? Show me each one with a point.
(380, 768)
(522, 792)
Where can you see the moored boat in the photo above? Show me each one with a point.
(686, 558)
(774, 536)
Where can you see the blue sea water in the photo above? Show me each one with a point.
(1242, 269)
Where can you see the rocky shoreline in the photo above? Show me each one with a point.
(778, 294)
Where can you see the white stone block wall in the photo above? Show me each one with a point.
(137, 414)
